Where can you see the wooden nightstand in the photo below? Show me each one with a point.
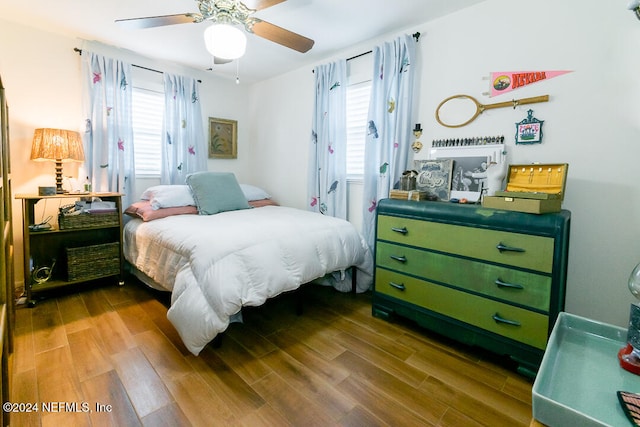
(74, 250)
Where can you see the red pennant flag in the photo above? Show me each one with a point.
(506, 81)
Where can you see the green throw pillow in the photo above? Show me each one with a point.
(216, 192)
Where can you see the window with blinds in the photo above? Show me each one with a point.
(358, 95)
(148, 109)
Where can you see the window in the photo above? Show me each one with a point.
(148, 109)
(358, 95)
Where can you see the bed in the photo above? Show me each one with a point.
(214, 264)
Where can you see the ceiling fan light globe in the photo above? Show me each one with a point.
(225, 41)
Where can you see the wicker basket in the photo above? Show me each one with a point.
(86, 220)
(91, 262)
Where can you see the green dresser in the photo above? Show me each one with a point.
(486, 277)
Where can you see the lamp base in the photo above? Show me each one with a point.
(628, 360)
(59, 189)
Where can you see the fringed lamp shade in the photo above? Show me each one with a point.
(57, 145)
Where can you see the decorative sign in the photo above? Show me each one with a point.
(506, 81)
(529, 130)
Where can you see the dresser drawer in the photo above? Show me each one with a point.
(519, 287)
(512, 322)
(519, 250)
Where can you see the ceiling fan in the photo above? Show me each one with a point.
(230, 12)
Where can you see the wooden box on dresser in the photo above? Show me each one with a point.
(486, 277)
(6, 256)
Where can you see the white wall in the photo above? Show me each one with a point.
(591, 122)
(280, 114)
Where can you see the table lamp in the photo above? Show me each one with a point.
(57, 145)
(629, 356)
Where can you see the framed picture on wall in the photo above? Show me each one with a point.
(470, 164)
(223, 138)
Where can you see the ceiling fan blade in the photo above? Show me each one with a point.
(261, 4)
(281, 36)
(157, 21)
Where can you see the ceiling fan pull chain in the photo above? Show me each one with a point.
(238, 71)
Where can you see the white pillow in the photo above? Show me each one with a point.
(168, 196)
(254, 193)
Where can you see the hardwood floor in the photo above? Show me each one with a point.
(333, 365)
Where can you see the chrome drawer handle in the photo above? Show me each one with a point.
(504, 248)
(499, 319)
(402, 230)
(401, 259)
(502, 284)
(398, 286)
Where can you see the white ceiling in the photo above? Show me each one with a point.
(333, 24)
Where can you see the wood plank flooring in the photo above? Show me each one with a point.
(111, 350)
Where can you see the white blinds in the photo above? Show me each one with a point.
(148, 107)
(357, 109)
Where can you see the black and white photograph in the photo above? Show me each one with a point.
(469, 173)
(470, 164)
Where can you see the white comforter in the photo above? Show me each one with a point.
(215, 264)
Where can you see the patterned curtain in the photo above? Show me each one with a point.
(389, 124)
(327, 182)
(184, 148)
(108, 138)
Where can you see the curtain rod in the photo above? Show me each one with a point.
(415, 35)
(359, 55)
(76, 49)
